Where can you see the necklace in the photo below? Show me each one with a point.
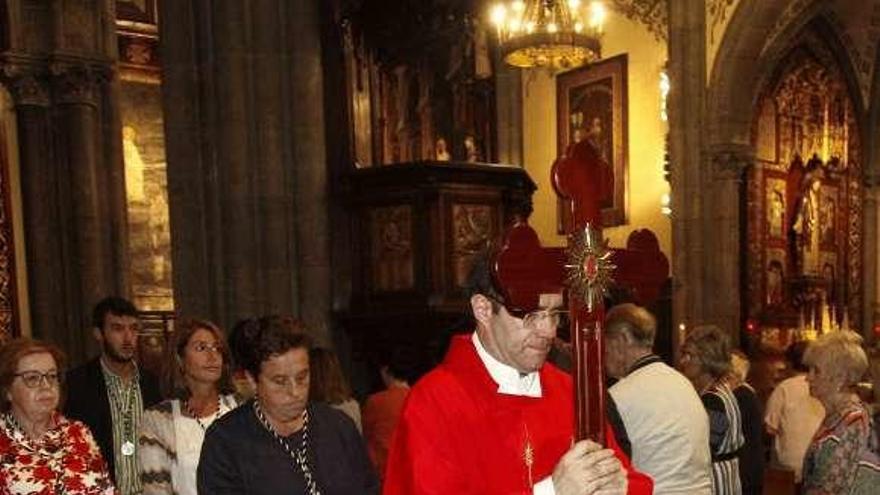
(300, 454)
(123, 396)
(191, 413)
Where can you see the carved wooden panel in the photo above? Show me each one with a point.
(472, 229)
(391, 248)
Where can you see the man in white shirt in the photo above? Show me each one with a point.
(664, 418)
(792, 415)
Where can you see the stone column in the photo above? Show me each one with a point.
(39, 179)
(725, 249)
(687, 69)
(247, 173)
(313, 236)
(85, 190)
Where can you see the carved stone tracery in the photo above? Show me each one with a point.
(654, 14)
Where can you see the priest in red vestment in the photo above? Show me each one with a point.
(495, 418)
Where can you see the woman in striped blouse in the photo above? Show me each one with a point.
(196, 376)
(705, 360)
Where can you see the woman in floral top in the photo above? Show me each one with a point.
(844, 456)
(41, 451)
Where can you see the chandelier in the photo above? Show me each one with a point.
(558, 34)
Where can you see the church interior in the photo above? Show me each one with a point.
(345, 161)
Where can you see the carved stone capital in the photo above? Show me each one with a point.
(29, 90)
(728, 162)
(27, 81)
(79, 83)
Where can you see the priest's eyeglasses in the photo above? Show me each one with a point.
(533, 319)
(543, 317)
(33, 379)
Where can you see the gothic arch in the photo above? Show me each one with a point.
(744, 65)
(761, 41)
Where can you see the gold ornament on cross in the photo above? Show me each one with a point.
(589, 266)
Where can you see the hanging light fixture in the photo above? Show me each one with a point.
(558, 34)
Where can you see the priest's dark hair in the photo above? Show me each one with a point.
(479, 280)
(255, 340)
(113, 305)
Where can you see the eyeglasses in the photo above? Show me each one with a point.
(543, 317)
(205, 347)
(33, 379)
(532, 319)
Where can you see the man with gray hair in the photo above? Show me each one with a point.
(664, 418)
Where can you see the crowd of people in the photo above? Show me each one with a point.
(493, 417)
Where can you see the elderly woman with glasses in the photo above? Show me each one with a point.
(844, 455)
(196, 375)
(705, 361)
(41, 450)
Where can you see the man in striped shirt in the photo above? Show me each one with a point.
(109, 393)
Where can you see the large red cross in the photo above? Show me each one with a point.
(525, 268)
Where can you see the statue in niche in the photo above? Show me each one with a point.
(805, 229)
(134, 165)
(441, 152)
(776, 213)
(471, 152)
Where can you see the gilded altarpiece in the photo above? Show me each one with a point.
(8, 301)
(804, 202)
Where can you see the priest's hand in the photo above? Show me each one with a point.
(589, 469)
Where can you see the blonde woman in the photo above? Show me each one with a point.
(844, 455)
(196, 376)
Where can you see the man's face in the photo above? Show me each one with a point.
(118, 337)
(615, 355)
(522, 343)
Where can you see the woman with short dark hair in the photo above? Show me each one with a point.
(279, 442)
(42, 451)
(196, 376)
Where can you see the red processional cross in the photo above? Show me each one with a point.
(585, 269)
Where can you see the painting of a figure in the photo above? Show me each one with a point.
(827, 213)
(591, 106)
(776, 208)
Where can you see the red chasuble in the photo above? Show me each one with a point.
(458, 435)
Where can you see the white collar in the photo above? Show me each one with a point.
(509, 380)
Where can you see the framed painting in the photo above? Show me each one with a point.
(138, 16)
(591, 104)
